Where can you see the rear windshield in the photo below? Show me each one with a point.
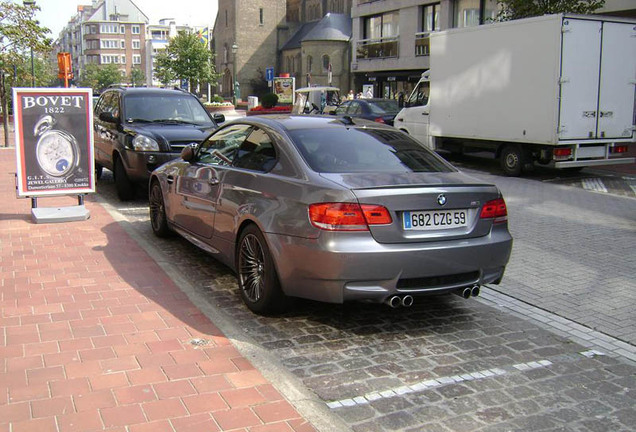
(388, 106)
(351, 150)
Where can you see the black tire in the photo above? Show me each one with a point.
(125, 188)
(258, 281)
(512, 160)
(158, 219)
(98, 171)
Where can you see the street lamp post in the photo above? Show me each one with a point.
(235, 73)
(31, 3)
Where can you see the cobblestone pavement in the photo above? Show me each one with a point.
(573, 253)
(448, 364)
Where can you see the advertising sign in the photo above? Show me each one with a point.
(53, 141)
(284, 89)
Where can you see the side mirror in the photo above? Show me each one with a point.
(218, 118)
(187, 154)
(107, 117)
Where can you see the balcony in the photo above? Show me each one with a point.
(422, 44)
(387, 47)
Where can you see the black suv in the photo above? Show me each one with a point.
(138, 129)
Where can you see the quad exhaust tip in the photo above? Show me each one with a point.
(468, 292)
(397, 301)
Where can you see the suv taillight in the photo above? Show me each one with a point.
(348, 216)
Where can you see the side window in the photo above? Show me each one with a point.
(112, 104)
(109, 103)
(256, 152)
(220, 148)
(354, 108)
(419, 96)
(342, 108)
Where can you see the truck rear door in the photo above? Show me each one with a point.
(580, 63)
(616, 91)
(597, 80)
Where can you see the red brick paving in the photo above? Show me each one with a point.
(95, 336)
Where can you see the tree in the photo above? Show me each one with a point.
(137, 77)
(185, 57)
(99, 77)
(516, 9)
(259, 85)
(20, 34)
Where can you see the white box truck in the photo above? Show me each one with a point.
(557, 89)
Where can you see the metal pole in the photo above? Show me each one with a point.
(32, 70)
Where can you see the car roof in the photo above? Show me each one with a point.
(287, 122)
(150, 90)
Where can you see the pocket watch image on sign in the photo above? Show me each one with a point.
(56, 150)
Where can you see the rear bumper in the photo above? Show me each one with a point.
(592, 163)
(340, 268)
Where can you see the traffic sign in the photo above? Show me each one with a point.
(269, 74)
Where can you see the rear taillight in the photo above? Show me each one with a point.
(379, 120)
(347, 216)
(619, 149)
(562, 153)
(495, 209)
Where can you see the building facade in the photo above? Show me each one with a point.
(390, 43)
(390, 40)
(252, 27)
(157, 39)
(305, 39)
(106, 32)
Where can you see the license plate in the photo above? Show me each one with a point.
(434, 220)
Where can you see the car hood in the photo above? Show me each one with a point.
(406, 179)
(173, 132)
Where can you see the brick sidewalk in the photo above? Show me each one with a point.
(95, 336)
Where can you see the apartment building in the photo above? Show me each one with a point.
(106, 32)
(390, 41)
(157, 39)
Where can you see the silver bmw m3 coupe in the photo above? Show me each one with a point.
(332, 209)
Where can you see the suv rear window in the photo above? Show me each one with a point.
(350, 150)
(164, 108)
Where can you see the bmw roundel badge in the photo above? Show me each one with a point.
(441, 199)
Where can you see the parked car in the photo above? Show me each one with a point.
(138, 129)
(377, 110)
(333, 210)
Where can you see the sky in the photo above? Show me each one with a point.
(55, 14)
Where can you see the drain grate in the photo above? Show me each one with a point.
(199, 342)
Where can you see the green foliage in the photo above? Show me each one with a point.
(269, 100)
(137, 77)
(21, 34)
(259, 84)
(516, 9)
(185, 57)
(218, 99)
(99, 77)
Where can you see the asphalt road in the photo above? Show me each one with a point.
(551, 348)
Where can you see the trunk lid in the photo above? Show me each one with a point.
(423, 206)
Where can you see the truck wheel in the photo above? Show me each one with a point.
(125, 188)
(512, 159)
